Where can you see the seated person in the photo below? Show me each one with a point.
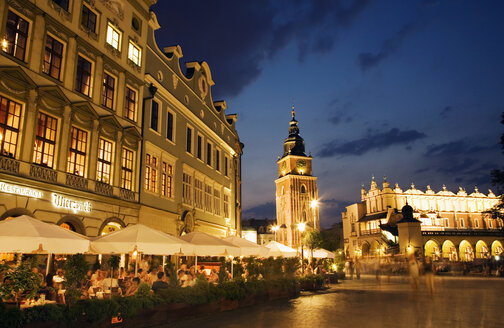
(133, 287)
(213, 278)
(181, 277)
(159, 283)
(109, 283)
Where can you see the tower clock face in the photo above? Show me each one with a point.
(284, 166)
(301, 164)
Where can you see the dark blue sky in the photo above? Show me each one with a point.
(411, 90)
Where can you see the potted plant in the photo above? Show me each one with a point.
(75, 272)
(18, 282)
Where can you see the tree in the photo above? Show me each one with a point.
(498, 181)
(312, 240)
(75, 271)
(18, 282)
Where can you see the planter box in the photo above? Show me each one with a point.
(247, 301)
(227, 305)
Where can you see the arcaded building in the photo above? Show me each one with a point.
(453, 225)
(296, 190)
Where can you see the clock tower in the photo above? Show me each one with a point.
(296, 190)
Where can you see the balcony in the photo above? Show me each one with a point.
(104, 189)
(126, 194)
(43, 173)
(9, 165)
(76, 181)
(370, 232)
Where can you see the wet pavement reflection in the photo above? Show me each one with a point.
(456, 302)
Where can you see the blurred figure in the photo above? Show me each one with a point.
(357, 268)
(414, 272)
(376, 269)
(133, 287)
(429, 275)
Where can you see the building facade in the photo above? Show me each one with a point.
(191, 152)
(453, 226)
(80, 145)
(296, 190)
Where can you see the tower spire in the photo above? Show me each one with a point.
(293, 112)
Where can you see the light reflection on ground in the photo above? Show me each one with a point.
(457, 302)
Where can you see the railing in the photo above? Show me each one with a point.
(9, 165)
(42, 173)
(104, 189)
(76, 181)
(482, 232)
(126, 194)
(370, 232)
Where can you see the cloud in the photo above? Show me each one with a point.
(330, 211)
(452, 148)
(446, 112)
(339, 113)
(261, 211)
(236, 37)
(372, 141)
(368, 60)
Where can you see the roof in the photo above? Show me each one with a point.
(372, 217)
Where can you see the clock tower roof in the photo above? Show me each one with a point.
(294, 143)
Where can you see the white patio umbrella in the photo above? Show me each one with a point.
(321, 253)
(247, 248)
(24, 234)
(208, 245)
(142, 239)
(278, 249)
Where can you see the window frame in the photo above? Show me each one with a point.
(64, 4)
(158, 116)
(199, 146)
(151, 170)
(109, 38)
(187, 185)
(127, 102)
(125, 183)
(17, 33)
(171, 114)
(79, 81)
(75, 153)
(189, 140)
(46, 142)
(102, 162)
(53, 54)
(209, 153)
(137, 60)
(166, 179)
(9, 127)
(86, 25)
(226, 165)
(106, 89)
(217, 158)
(199, 193)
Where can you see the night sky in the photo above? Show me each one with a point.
(410, 90)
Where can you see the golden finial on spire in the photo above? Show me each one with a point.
(293, 112)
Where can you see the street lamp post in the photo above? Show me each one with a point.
(301, 228)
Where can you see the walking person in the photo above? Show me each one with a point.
(414, 272)
(429, 275)
(357, 268)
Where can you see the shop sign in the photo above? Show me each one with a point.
(18, 190)
(71, 204)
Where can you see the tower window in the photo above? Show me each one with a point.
(303, 189)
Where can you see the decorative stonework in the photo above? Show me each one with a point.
(126, 194)
(9, 165)
(61, 12)
(104, 189)
(42, 173)
(175, 80)
(115, 6)
(75, 181)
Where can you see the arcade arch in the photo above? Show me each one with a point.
(497, 248)
(466, 252)
(449, 251)
(482, 250)
(431, 249)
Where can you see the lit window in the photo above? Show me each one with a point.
(108, 90)
(130, 104)
(104, 169)
(217, 209)
(62, 3)
(127, 159)
(77, 152)
(150, 173)
(10, 115)
(189, 140)
(209, 154)
(88, 19)
(198, 193)
(134, 53)
(166, 180)
(208, 198)
(169, 127)
(45, 140)
(16, 35)
(53, 57)
(226, 206)
(113, 36)
(186, 188)
(154, 116)
(83, 78)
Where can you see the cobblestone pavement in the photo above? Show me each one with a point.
(456, 302)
